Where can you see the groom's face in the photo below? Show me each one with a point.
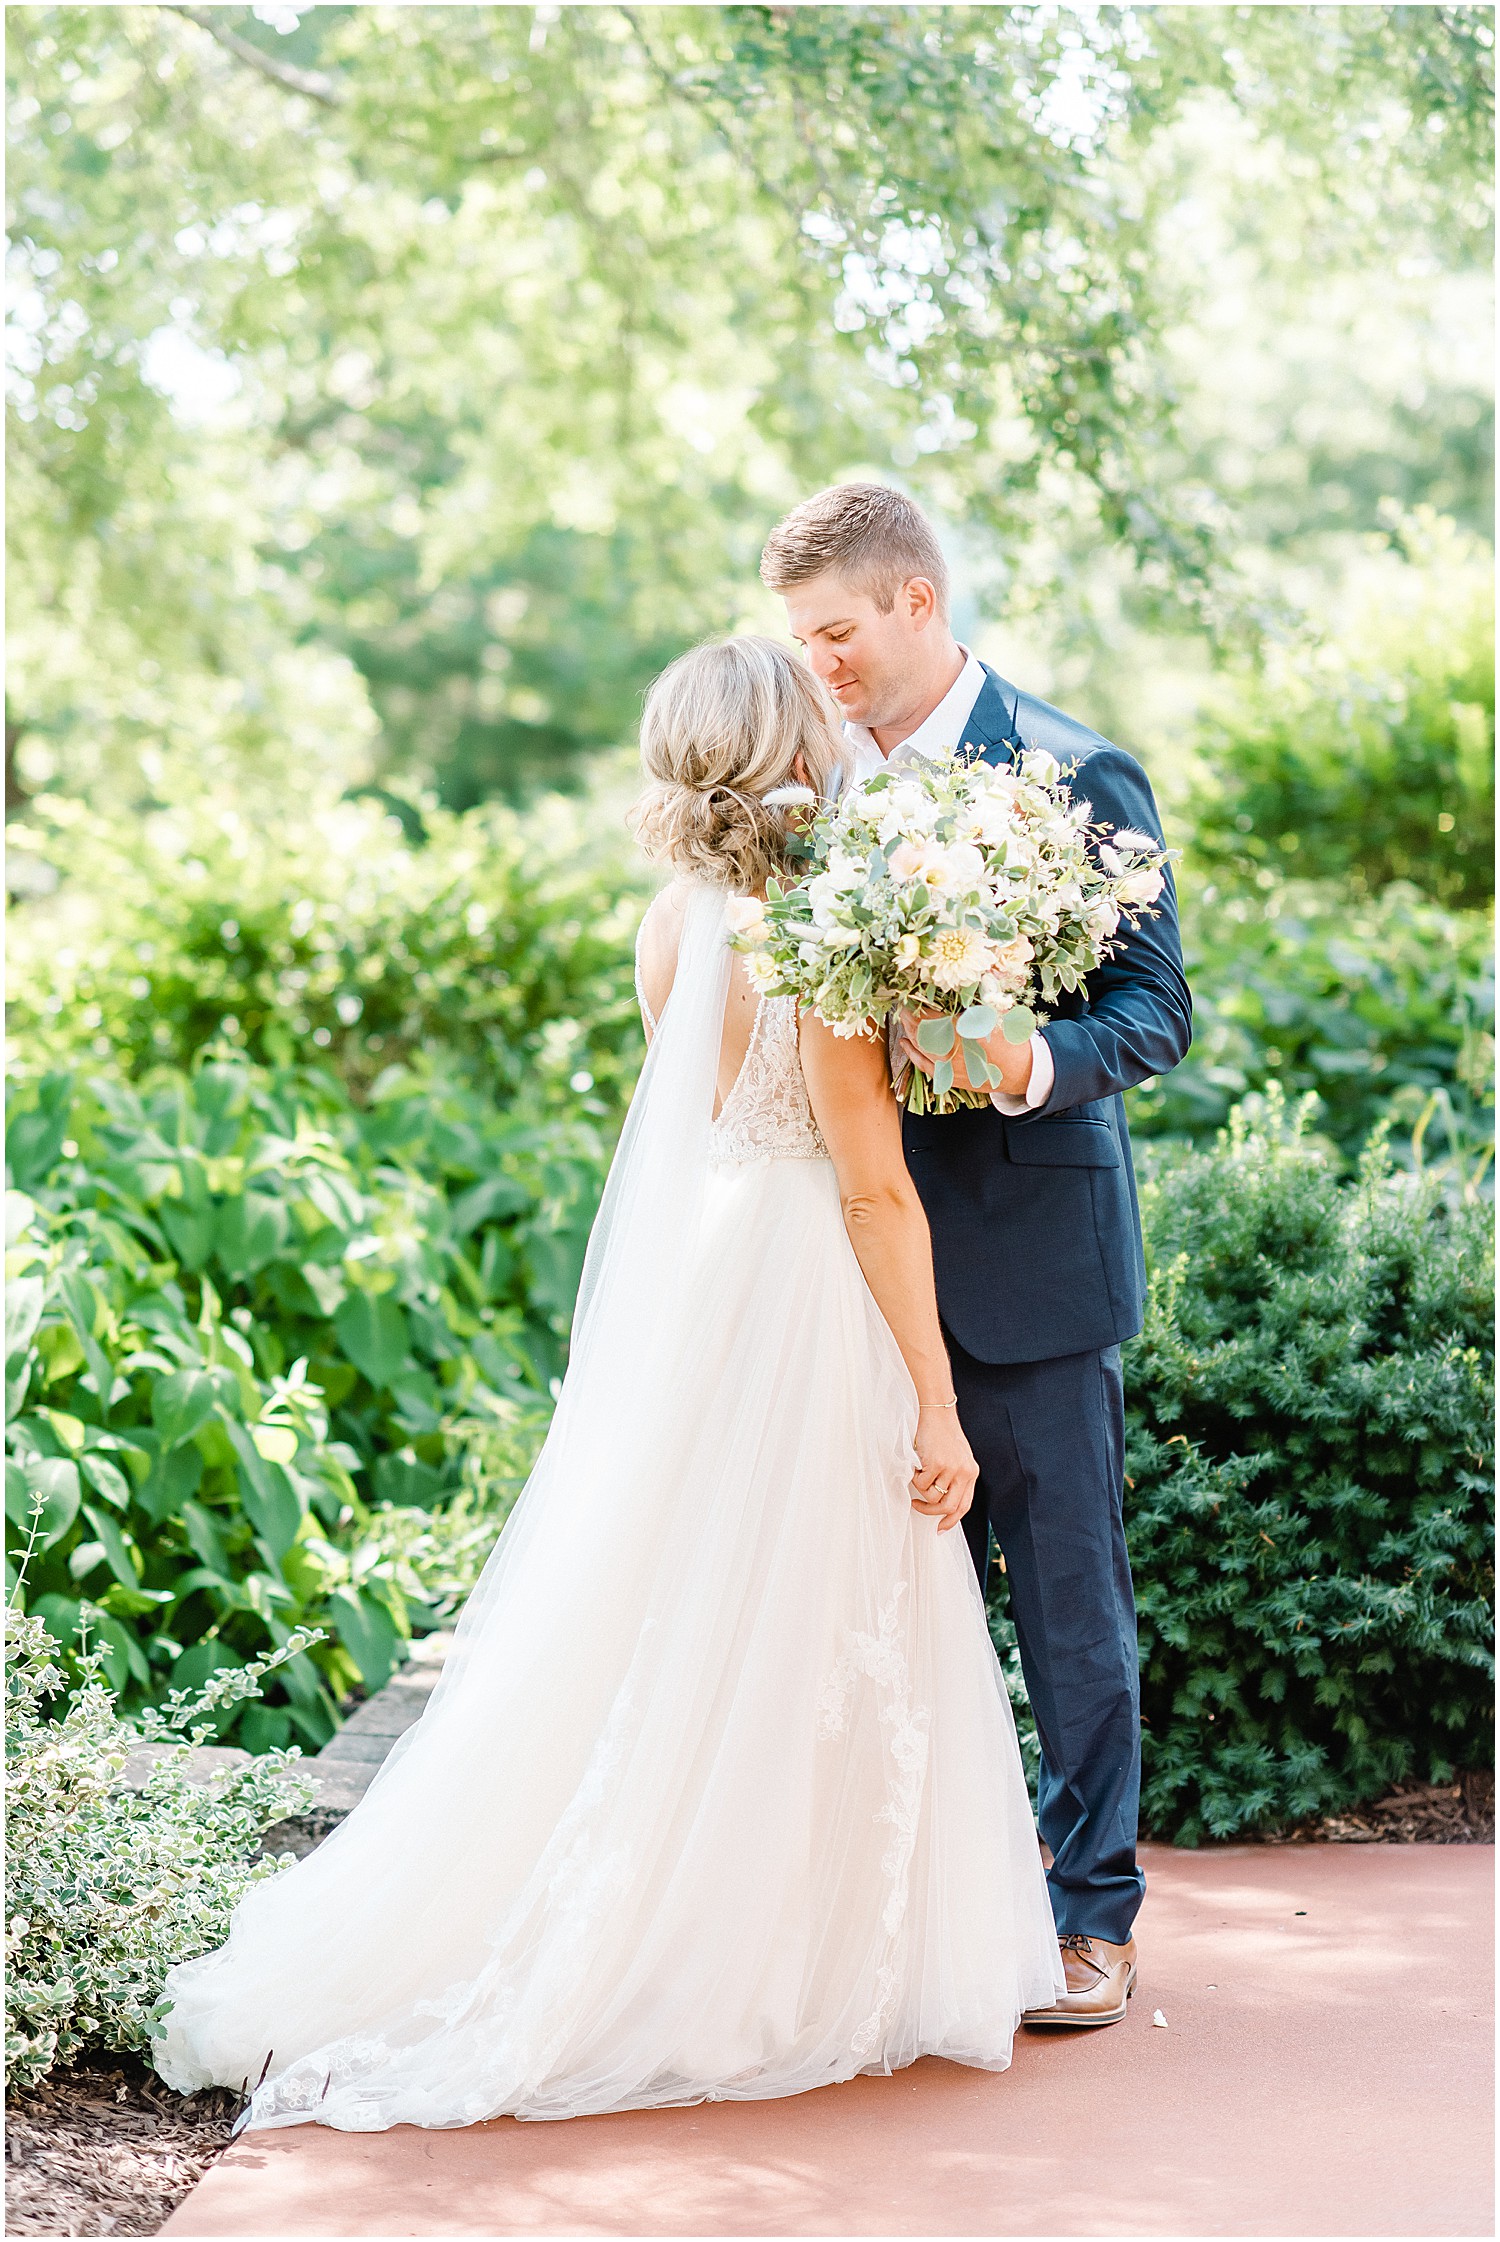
(870, 661)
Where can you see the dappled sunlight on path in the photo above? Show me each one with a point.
(1324, 2070)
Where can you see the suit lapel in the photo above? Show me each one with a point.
(992, 726)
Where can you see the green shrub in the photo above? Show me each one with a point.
(1310, 1508)
(248, 1320)
(107, 1886)
(496, 944)
(1370, 759)
(1361, 1000)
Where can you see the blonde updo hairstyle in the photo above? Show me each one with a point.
(721, 729)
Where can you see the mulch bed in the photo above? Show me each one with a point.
(105, 2148)
(1461, 1813)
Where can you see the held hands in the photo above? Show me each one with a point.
(1012, 1059)
(944, 1485)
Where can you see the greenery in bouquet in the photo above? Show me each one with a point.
(972, 893)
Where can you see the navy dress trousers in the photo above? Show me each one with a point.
(1036, 1238)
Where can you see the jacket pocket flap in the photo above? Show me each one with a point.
(1063, 1144)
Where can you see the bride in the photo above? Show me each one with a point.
(718, 1795)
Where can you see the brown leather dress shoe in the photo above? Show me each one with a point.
(1101, 1979)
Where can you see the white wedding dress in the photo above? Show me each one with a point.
(718, 1795)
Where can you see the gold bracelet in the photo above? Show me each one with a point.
(953, 1404)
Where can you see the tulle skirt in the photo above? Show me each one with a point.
(719, 1795)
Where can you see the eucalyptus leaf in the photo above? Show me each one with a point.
(942, 1077)
(982, 1075)
(935, 1036)
(1019, 1024)
(978, 1022)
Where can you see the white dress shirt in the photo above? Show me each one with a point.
(945, 728)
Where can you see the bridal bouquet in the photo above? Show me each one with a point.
(948, 886)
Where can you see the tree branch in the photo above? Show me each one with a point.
(310, 83)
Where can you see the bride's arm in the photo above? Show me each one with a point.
(849, 1084)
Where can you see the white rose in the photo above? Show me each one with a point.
(745, 915)
(965, 865)
(825, 895)
(993, 819)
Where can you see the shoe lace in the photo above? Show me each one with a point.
(1076, 1942)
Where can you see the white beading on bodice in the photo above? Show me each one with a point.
(767, 1115)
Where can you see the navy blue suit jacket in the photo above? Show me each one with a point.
(1036, 1232)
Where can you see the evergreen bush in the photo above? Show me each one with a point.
(1310, 1507)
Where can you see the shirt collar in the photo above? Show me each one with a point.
(943, 728)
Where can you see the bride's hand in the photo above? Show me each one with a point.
(944, 1484)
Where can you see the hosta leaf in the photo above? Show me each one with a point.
(55, 1480)
(373, 1333)
(17, 1386)
(23, 1311)
(59, 1615)
(190, 1232)
(81, 1305)
(497, 1195)
(107, 1479)
(271, 1501)
(123, 1656)
(116, 1549)
(250, 1231)
(367, 1632)
(277, 1443)
(133, 1603)
(17, 1496)
(203, 1533)
(181, 1403)
(172, 1479)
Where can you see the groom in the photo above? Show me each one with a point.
(1035, 1230)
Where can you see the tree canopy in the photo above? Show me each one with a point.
(409, 382)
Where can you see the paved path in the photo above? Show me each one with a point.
(1325, 2070)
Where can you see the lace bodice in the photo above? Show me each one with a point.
(766, 1115)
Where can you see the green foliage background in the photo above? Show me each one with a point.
(393, 392)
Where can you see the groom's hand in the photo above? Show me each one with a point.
(1012, 1059)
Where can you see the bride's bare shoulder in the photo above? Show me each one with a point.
(657, 943)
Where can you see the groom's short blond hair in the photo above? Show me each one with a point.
(874, 538)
